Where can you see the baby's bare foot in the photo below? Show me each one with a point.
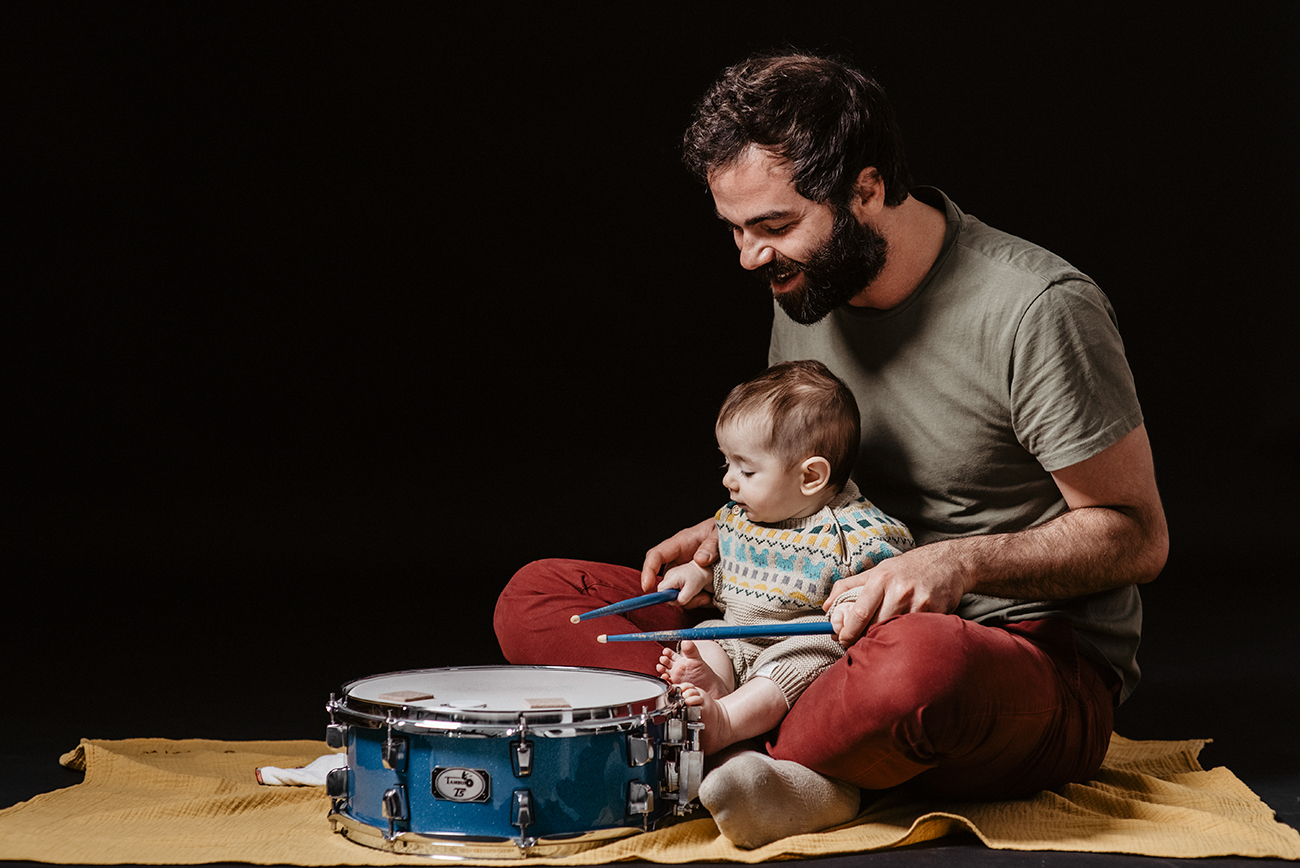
(665, 665)
(688, 667)
(717, 732)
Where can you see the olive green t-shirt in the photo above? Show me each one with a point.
(1005, 364)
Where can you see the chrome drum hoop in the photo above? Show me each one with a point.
(452, 847)
(417, 719)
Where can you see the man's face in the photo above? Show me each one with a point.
(815, 257)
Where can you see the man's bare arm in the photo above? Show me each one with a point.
(1113, 535)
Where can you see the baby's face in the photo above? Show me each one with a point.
(759, 481)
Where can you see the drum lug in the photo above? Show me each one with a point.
(640, 798)
(521, 810)
(522, 757)
(338, 782)
(395, 806)
(394, 752)
(640, 750)
(336, 735)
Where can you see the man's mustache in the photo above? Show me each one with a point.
(779, 269)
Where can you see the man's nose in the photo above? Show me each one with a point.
(754, 252)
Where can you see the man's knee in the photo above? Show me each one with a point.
(533, 618)
(911, 677)
(528, 601)
(541, 576)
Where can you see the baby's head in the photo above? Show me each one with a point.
(790, 437)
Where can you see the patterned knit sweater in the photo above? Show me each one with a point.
(785, 570)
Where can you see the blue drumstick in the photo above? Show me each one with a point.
(788, 628)
(628, 605)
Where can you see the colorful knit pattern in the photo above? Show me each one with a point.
(787, 569)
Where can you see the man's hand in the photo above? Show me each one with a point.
(698, 544)
(920, 580)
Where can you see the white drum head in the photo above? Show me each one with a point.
(486, 693)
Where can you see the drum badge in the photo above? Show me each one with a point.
(462, 785)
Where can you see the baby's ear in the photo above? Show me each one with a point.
(815, 475)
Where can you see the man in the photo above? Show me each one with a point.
(1000, 423)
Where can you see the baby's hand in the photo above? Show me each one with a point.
(690, 579)
(838, 606)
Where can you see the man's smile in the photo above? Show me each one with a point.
(782, 274)
(783, 282)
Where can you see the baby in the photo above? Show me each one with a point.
(795, 525)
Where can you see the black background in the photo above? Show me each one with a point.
(325, 318)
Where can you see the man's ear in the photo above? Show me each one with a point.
(868, 194)
(815, 474)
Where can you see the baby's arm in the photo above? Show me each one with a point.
(689, 578)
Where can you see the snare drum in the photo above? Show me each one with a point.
(504, 761)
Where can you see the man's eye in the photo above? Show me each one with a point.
(779, 230)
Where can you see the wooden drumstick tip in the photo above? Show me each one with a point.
(574, 619)
(601, 638)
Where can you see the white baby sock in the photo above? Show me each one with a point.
(756, 800)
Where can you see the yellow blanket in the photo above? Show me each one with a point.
(157, 801)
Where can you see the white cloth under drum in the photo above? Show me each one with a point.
(311, 775)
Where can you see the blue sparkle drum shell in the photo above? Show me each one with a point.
(499, 761)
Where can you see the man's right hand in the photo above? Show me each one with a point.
(698, 543)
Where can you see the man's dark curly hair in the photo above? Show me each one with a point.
(823, 117)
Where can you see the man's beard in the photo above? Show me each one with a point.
(834, 273)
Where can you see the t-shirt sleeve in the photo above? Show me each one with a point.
(1072, 393)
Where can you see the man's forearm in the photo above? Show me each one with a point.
(1080, 552)
(1113, 534)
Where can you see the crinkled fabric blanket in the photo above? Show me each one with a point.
(157, 801)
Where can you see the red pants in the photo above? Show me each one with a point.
(957, 708)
